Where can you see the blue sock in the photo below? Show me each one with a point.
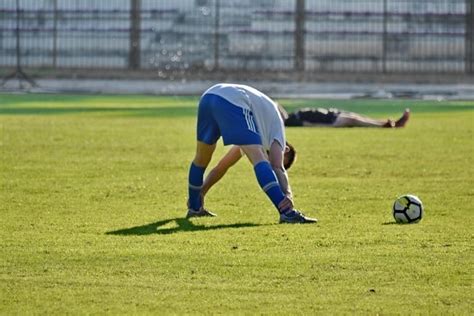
(195, 180)
(269, 182)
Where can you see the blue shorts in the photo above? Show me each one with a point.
(218, 117)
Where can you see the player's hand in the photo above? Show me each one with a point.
(286, 204)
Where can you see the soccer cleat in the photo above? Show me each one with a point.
(404, 119)
(200, 213)
(294, 217)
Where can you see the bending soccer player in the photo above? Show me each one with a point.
(331, 117)
(250, 120)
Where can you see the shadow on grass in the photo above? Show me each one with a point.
(392, 223)
(181, 225)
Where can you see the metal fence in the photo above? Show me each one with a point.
(307, 36)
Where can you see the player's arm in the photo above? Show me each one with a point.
(275, 156)
(229, 159)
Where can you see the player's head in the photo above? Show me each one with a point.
(290, 156)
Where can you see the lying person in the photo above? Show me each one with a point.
(332, 117)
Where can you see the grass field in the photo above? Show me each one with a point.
(93, 195)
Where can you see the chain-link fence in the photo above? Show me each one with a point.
(307, 36)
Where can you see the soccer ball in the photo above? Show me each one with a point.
(407, 209)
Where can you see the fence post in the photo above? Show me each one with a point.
(55, 34)
(18, 35)
(135, 25)
(18, 73)
(469, 49)
(216, 34)
(300, 35)
(384, 39)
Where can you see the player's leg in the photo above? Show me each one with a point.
(196, 174)
(350, 119)
(401, 122)
(269, 183)
(265, 175)
(207, 135)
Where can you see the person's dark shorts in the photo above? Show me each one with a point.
(312, 116)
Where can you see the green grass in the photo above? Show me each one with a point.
(93, 194)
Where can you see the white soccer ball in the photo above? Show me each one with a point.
(408, 209)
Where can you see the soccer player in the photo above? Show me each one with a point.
(250, 120)
(331, 117)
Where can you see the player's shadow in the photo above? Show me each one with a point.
(391, 223)
(179, 225)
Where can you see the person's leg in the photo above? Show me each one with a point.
(196, 173)
(350, 119)
(207, 135)
(265, 175)
(269, 183)
(401, 122)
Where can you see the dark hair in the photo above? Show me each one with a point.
(291, 155)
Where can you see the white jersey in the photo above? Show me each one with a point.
(265, 111)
